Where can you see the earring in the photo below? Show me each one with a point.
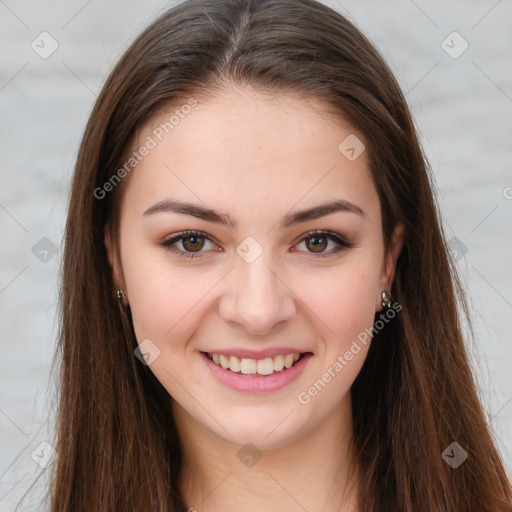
(122, 299)
(386, 299)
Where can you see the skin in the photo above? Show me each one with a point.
(257, 158)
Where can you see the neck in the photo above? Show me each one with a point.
(309, 473)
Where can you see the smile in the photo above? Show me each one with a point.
(256, 376)
(266, 366)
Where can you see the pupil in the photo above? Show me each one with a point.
(316, 244)
(194, 240)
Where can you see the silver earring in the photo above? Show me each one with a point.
(122, 299)
(386, 299)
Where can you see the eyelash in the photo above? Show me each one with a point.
(342, 244)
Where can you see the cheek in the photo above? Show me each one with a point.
(344, 303)
(344, 311)
(161, 299)
(166, 299)
(151, 289)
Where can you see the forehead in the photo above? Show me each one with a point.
(243, 150)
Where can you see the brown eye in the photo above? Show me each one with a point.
(318, 243)
(192, 243)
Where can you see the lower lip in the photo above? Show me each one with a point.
(256, 383)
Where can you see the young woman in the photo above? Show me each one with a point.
(258, 308)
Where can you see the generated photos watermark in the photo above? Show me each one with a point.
(151, 142)
(305, 397)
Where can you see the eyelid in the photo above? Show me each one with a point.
(341, 242)
(169, 242)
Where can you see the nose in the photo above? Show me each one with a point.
(256, 297)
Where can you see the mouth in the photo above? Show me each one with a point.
(256, 367)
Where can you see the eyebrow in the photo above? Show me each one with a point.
(207, 214)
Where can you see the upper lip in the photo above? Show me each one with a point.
(257, 354)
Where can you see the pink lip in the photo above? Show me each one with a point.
(256, 383)
(257, 354)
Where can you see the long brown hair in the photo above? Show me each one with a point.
(117, 445)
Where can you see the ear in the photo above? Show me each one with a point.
(113, 260)
(388, 270)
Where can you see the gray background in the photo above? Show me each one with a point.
(462, 107)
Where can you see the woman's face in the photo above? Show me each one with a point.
(255, 281)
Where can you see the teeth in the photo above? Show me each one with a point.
(246, 365)
(265, 366)
(224, 361)
(235, 364)
(278, 363)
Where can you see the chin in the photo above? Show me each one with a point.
(266, 432)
